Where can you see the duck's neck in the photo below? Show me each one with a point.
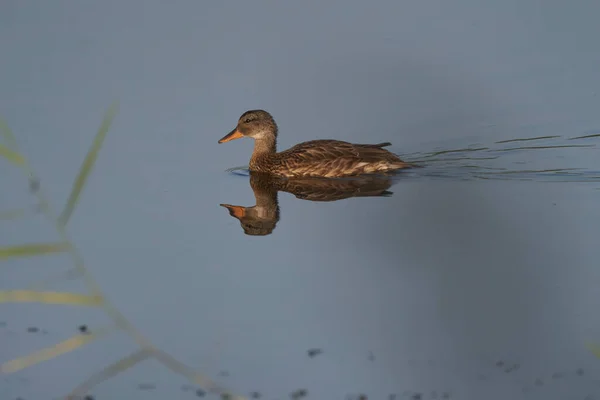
(264, 147)
(265, 195)
(267, 207)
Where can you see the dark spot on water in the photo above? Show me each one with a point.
(539, 382)
(417, 396)
(314, 352)
(83, 329)
(445, 395)
(557, 375)
(371, 356)
(89, 397)
(146, 386)
(255, 395)
(223, 373)
(580, 371)
(225, 396)
(362, 397)
(499, 363)
(200, 393)
(3, 324)
(33, 329)
(34, 185)
(516, 366)
(392, 397)
(298, 394)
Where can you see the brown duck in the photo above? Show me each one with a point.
(261, 219)
(315, 158)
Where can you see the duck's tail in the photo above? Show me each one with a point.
(380, 145)
(412, 165)
(397, 163)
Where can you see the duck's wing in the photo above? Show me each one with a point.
(330, 157)
(317, 189)
(323, 150)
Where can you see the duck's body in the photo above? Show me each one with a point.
(261, 219)
(315, 158)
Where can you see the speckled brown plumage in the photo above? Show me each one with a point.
(261, 219)
(315, 158)
(318, 189)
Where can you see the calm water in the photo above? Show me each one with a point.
(474, 277)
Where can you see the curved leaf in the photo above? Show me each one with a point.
(8, 135)
(11, 156)
(87, 166)
(109, 372)
(32, 296)
(36, 249)
(49, 353)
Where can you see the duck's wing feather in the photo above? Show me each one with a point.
(316, 189)
(328, 150)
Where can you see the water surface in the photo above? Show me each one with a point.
(473, 277)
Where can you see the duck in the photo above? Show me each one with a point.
(325, 158)
(262, 218)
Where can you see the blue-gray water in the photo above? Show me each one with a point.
(477, 278)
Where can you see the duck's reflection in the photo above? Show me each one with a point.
(261, 219)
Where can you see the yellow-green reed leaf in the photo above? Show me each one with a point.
(32, 296)
(203, 381)
(594, 348)
(7, 134)
(109, 372)
(49, 353)
(11, 156)
(87, 166)
(34, 249)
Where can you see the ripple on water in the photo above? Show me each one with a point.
(538, 159)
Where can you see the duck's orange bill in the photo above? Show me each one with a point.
(234, 134)
(235, 211)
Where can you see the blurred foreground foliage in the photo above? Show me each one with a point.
(9, 151)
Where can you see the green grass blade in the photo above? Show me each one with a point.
(7, 134)
(203, 381)
(87, 166)
(33, 296)
(12, 156)
(49, 353)
(28, 250)
(594, 348)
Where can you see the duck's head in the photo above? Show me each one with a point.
(256, 124)
(255, 221)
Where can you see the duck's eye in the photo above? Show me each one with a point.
(247, 120)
